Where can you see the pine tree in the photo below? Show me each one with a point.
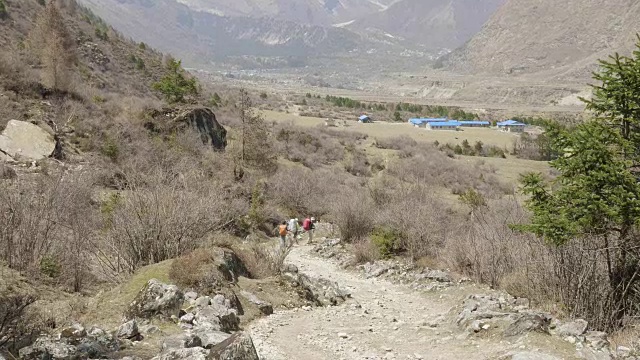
(176, 85)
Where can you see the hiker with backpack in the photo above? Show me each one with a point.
(293, 228)
(282, 231)
(308, 226)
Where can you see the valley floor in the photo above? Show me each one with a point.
(388, 321)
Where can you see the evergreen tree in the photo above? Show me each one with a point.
(177, 85)
(596, 195)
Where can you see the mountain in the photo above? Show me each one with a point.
(434, 24)
(202, 36)
(311, 12)
(562, 38)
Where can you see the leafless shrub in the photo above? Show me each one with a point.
(163, 215)
(196, 270)
(354, 215)
(401, 143)
(262, 260)
(18, 326)
(365, 251)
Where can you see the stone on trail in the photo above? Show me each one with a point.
(48, 348)
(156, 300)
(238, 347)
(181, 341)
(194, 353)
(573, 328)
(264, 307)
(211, 338)
(128, 330)
(21, 140)
(528, 322)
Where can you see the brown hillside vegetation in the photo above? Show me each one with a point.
(562, 38)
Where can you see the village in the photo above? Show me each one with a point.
(511, 126)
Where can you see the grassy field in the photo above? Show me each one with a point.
(386, 129)
(508, 169)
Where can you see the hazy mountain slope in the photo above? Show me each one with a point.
(202, 36)
(431, 23)
(563, 38)
(312, 12)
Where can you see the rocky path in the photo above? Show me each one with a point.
(388, 321)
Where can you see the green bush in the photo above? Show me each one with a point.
(50, 267)
(387, 241)
(3, 8)
(263, 95)
(102, 34)
(142, 46)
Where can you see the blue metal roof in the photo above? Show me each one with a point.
(420, 121)
(474, 122)
(445, 123)
(363, 117)
(510, 123)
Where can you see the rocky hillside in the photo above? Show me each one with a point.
(434, 24)
(562, 38)
(205, 31)
(201, 37)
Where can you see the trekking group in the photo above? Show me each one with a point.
(291, 231)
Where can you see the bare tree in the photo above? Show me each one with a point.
(52, 42)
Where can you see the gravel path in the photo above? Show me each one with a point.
(382, 321)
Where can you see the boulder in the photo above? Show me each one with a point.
(21, 140)
(49, 348)
(573, 328)
(528, 322)
(211, 338)
(438, 275)
(128, 330)
(202, 120)
(181, 341)
(264, 307)
(74, 332)
(237, 347)
(203, 301)
(597, 340)
(218, 318)
(156, 300)
(194, 353)
(321, 291)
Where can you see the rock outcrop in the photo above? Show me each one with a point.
(156, 300)
(238, 347)
(200, 119)
(320, 291)
(74, 342)
(21, 140)
(264, 307)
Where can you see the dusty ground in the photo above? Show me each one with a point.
(387, 321)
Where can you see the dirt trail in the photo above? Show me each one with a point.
(386, 321)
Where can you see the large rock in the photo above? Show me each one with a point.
(217, 317)
(528, 322)
(181, 341)
(264, 307)
(318, 290)
(128, 330)
(238, 347)
(574, 328)
(210, 338)
(202, 120)
(194, 353)
(21, 140)
(51, 349)
(156, 300)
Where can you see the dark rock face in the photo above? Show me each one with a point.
(205, 122)
(200, 119)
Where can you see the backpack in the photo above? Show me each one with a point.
(306, 224)
(283, 230)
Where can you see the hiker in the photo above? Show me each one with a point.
(293, 229)
(282, 231)
(308, 226)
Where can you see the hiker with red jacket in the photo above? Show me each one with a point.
(308, 226)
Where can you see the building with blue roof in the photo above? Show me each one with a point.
(511, 126)
(364, 119)
(474, 123)
(422, 122)
(443, 125)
